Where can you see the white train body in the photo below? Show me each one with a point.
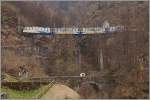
(106, 28)
(91, 30)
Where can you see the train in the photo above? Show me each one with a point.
(91, 30)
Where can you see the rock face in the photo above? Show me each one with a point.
(88, 92)
(59, 91)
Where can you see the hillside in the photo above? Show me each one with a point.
(61, 92)
(125, 54)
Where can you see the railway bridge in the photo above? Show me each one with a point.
(35, 30)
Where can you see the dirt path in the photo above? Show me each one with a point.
(59, 91)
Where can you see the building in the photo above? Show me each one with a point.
(23, 72)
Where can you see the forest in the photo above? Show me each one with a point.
(125, 67)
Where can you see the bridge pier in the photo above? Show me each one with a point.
(101, 59)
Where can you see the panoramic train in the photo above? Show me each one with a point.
(106, 28)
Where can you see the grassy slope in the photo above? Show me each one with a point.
(14, 94)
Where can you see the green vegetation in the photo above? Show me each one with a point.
(15, 94)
